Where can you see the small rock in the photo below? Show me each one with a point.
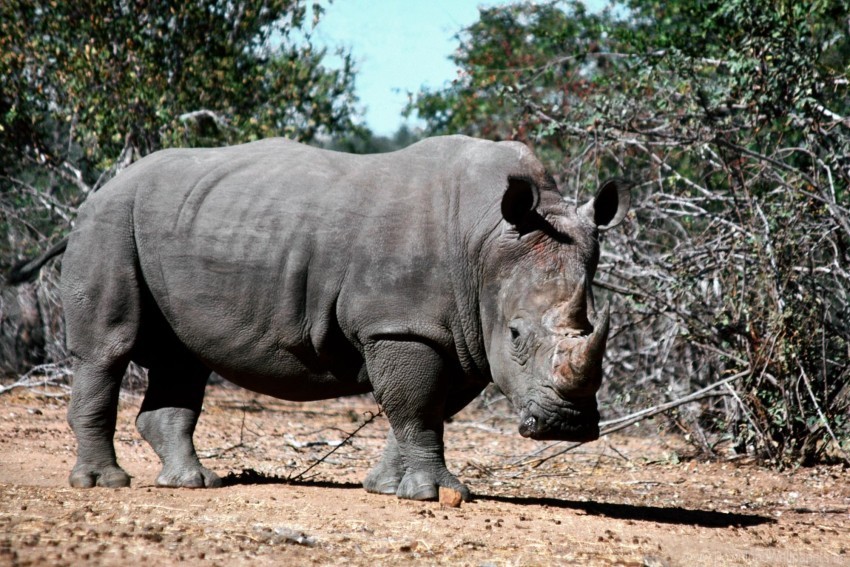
(287, 535)
(277, 536)
(450, 497)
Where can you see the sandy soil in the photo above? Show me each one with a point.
(623, 500)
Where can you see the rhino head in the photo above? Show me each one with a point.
(545, 339)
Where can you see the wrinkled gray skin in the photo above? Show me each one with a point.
(420, 275)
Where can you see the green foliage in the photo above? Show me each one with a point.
(516, 48)
(366, 142)
(732, 115)
(87, 87)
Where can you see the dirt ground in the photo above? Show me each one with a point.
(623, 500)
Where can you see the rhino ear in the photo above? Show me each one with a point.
(610, 205)
(520, 198)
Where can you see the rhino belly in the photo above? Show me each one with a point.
(295, 381)
(252, 319)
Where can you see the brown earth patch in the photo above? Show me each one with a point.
(623, 500)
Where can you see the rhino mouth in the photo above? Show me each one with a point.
(565, 422)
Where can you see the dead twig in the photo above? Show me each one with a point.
(620, 423)
(53, 374)
(823, 419)
(370, 418)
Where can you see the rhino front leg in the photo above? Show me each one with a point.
(409, 381)
(387, 474)
(385, 477)
(167, 421)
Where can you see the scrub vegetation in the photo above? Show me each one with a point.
(731, 276)
(733, 270)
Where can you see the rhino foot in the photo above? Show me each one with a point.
(188, 477)
(424, 485)
(382, 480)
(89, 476)
(385, 477)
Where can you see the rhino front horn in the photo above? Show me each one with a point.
(584, 368)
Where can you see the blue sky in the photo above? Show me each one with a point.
(399, 46)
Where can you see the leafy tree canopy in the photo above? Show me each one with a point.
(87, 87)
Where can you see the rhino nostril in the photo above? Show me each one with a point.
(530, 423)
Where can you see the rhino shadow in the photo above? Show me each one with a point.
(661, 515)
(249, 477)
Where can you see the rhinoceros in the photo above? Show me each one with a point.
(421, 275)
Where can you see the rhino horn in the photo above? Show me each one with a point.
(575, 310)
(595, 348)
(581, 370)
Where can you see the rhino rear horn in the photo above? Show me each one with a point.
(575, 310)
(595, 348)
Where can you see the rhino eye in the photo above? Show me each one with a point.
(514, 332)
(521, 338)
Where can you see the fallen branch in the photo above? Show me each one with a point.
(53, 374)
(371, 417)
(219, 453)
(620, 423)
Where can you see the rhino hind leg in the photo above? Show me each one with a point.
(167, 421)
(100, 295)
(92, 415)
(409, 381)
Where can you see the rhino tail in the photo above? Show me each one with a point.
(27, 270)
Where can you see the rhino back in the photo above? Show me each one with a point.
(274, 258)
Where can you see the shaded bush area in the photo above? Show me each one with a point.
(734, 266)
(31, 327)
(88, 88)
(733, 269)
